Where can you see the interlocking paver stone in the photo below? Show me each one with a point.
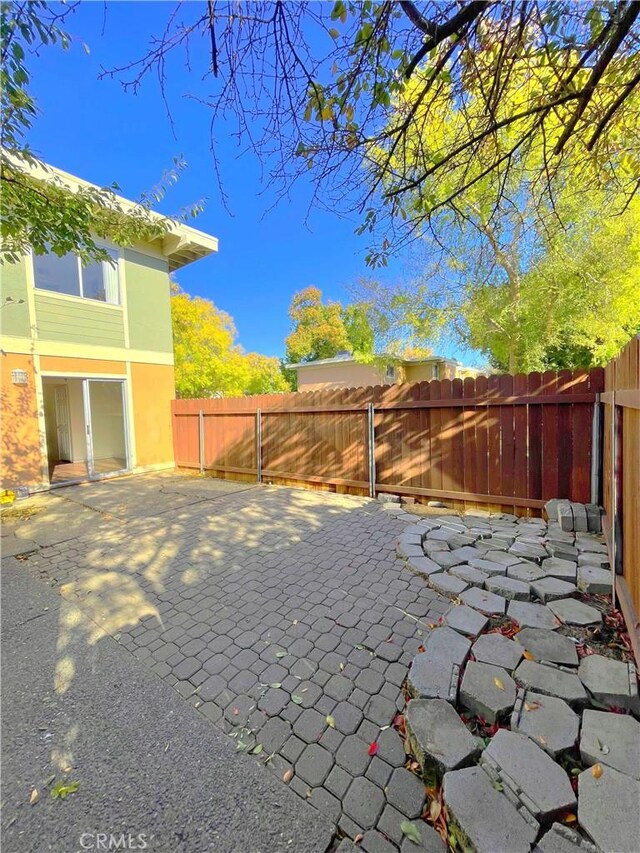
(538, 783)
(447, 583)
(548, 721)
(611, 739)
(375, 842)
(551, 681)
(608, 809)
(338, 687)
(563, 839)
(346, 717)
(353, 756)
(314, 764)
(610, 683)
(430, 841)
(498, 650)
(487, 691)
(508, 587)
(549, 589)
(391, 748)
(532, 615)
(472, 576)
(547, 645)
(570, 611)
(310, 725)
(486, 602)
(438, 737)
(529, 551)
(489, 567)
(465, 620)
(594, 580)
(484, 818)
(423, 566)
(434, 673)
(364, 802)
(526, 572)
(186, 668)
(564, 570)
(406, 792)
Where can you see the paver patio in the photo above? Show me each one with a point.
(283, 615)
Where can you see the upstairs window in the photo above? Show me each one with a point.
(67, 274)
(390, 375)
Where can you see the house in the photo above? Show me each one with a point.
(344, 371)
(87, 359)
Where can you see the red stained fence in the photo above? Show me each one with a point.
(503, 442)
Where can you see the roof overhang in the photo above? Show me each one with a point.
(179, 244)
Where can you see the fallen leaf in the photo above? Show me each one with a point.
(373, 748)
(531, 706)
(330, 721)
(281, 654)
(358, 838)
(570, 818)
(421, 649)
(596, 771)
(295, 621)
(542, 740)
(296, 699)
(411, 831)
(498, 684)
(35, 796)
(528, 655)
(434, 810)
(257, 749)
(235, 712)
(61, 791)
(341, 666)
(275, 685)
(288, 776)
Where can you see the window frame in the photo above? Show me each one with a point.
(117, 255)
(390, 374)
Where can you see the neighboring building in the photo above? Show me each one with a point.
(343, 371)
(87, 360)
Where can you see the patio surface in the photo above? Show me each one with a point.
(283, 616)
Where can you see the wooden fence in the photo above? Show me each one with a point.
(503, 442)
(621, 480)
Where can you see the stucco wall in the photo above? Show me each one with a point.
(421, 372)
(20, 457)
(153, 390)
(340, 376)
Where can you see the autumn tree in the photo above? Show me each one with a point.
(208, 361)
(314, 89)
(322, 329)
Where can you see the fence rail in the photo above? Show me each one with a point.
(509, 442)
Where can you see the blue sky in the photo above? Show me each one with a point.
(92, 128)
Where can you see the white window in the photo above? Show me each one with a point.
(67, 274)
(391, 373)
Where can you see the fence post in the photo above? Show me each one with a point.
(201, 439)
(259, 445)
(596, 451)
(372, 450)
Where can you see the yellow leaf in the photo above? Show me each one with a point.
(434, 810)
(528, 655)
(596, 771)
(35, 796)
(531, 706)
(330, 721)
(498, 684)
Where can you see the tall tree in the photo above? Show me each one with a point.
(39, 210)
(208, 361)
(322, 329)
(313, 87)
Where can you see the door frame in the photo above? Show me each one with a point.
(88, 427)
(69, 431)
(85, 378)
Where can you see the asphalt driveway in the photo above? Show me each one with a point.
(281, 615)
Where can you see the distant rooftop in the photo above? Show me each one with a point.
(345, 357)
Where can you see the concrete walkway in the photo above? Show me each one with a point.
(282, 616)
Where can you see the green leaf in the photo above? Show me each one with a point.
(281, 654)
(257, 749)
(330, 721)
(296, 699)
(411, 831)
(61, 790)
(334, 33)
(275, 685)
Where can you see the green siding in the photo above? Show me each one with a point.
(148, 302)
(13, 282)
(83, 321)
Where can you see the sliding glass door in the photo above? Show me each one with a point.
(106, 422)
